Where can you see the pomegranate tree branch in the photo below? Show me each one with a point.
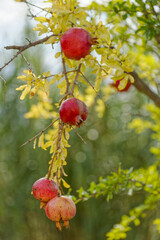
(31, 139)
(142, 87)
(76, 78)
(30, 44)
(58, 147)
(23, 48)
(28, 3)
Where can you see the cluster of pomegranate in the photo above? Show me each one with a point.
(76, 44)
(57, 208)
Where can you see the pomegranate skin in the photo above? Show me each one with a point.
(76, 43)
(60, 208)
(117, 84)
(44, 189)
(73, 111)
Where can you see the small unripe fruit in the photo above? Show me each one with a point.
(61, 208)
(73, 111)
(44, 189)
(122, 90)
(76, 43)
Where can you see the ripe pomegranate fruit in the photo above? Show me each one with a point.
(44, 189)
(76, 43)
(73, 111)
(61, 208)
(117, 84)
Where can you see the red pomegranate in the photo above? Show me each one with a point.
(61, 208)
(73, 111)
(117, 84)
(44, 189)
(76, 43)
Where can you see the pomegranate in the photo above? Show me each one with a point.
(117, 84)
(61, 208)
(76, 43)
(44, 189)
(73, 111)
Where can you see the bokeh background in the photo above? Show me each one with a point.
(109, 143)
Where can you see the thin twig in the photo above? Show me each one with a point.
(29, 66)
(36, 6)
(91, 85)
(66, 77)
(76, 78)
(30, 140)
(64, 97)
(79, 135)
(23, 48)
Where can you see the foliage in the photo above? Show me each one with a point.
(119, 50)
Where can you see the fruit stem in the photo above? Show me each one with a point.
(93, 41)
(76, 78)
(65, 74)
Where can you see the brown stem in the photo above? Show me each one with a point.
(29, 66)
(90, 85)
(142, 87)
(79, 136)
(66, 77)
(28, 3)
(76, 78)
(23, 48)
(57, 146)
(30, 140)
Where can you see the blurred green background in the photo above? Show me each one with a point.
(109, 143)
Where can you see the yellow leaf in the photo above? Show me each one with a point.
(34, 143)
(46, 74)
(119, 47)
(57, 55)
(41, 141)
(21, 87)
(33, 91)
(22, 77)
(46, 86)
(25, 92)
(41, 19)
(123, 83)
(51, 40)
(108, 37)
(66, 185)
(131, 78)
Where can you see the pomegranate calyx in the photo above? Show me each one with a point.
(58, 226)
(93, 41)
(66, 224)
